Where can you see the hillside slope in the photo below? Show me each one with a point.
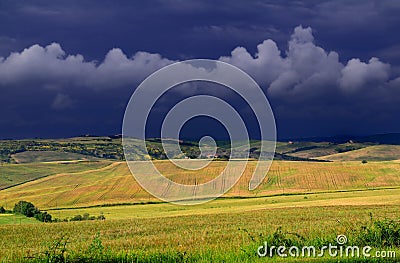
(371, 153)
(115, 184)
(48, 156)
(15, 174)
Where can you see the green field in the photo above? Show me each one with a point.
(11, 219)
(299, 201)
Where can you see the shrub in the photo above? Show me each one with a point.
(43, 217)
(101, 217)
(56, 251)
(96, 248)
(86, 216)
(379, 233)
(76, 218)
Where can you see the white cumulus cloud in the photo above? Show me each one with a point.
(51, 67)
(306, 69)
(357, 74)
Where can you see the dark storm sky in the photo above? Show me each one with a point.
(327, 67)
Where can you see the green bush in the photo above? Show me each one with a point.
(101, 217)
(43, 217)
(56, 251)
(95, 250)
(76, 218)
(86, 216)
(379, 233)
(29, 210)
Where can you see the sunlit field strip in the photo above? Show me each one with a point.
(114, 184)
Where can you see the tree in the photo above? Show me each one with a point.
(85, 216)
(29, 210)
(25, 208)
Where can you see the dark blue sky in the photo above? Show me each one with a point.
(327, 67)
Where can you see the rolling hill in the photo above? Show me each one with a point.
(52, 173)
(113, 184)
(371, 153)
(15, 174)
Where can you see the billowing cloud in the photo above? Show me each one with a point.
(308, 86)
(51, 67)
(357, 74)
(306, 69)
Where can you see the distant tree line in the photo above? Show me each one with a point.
(86, 216)
(29, 210)
(106, 149)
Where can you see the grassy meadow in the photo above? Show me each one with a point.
(299, 202)
(13, 219)
(226, 235)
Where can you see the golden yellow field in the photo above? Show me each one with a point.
(114, 184)
(376, 152)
